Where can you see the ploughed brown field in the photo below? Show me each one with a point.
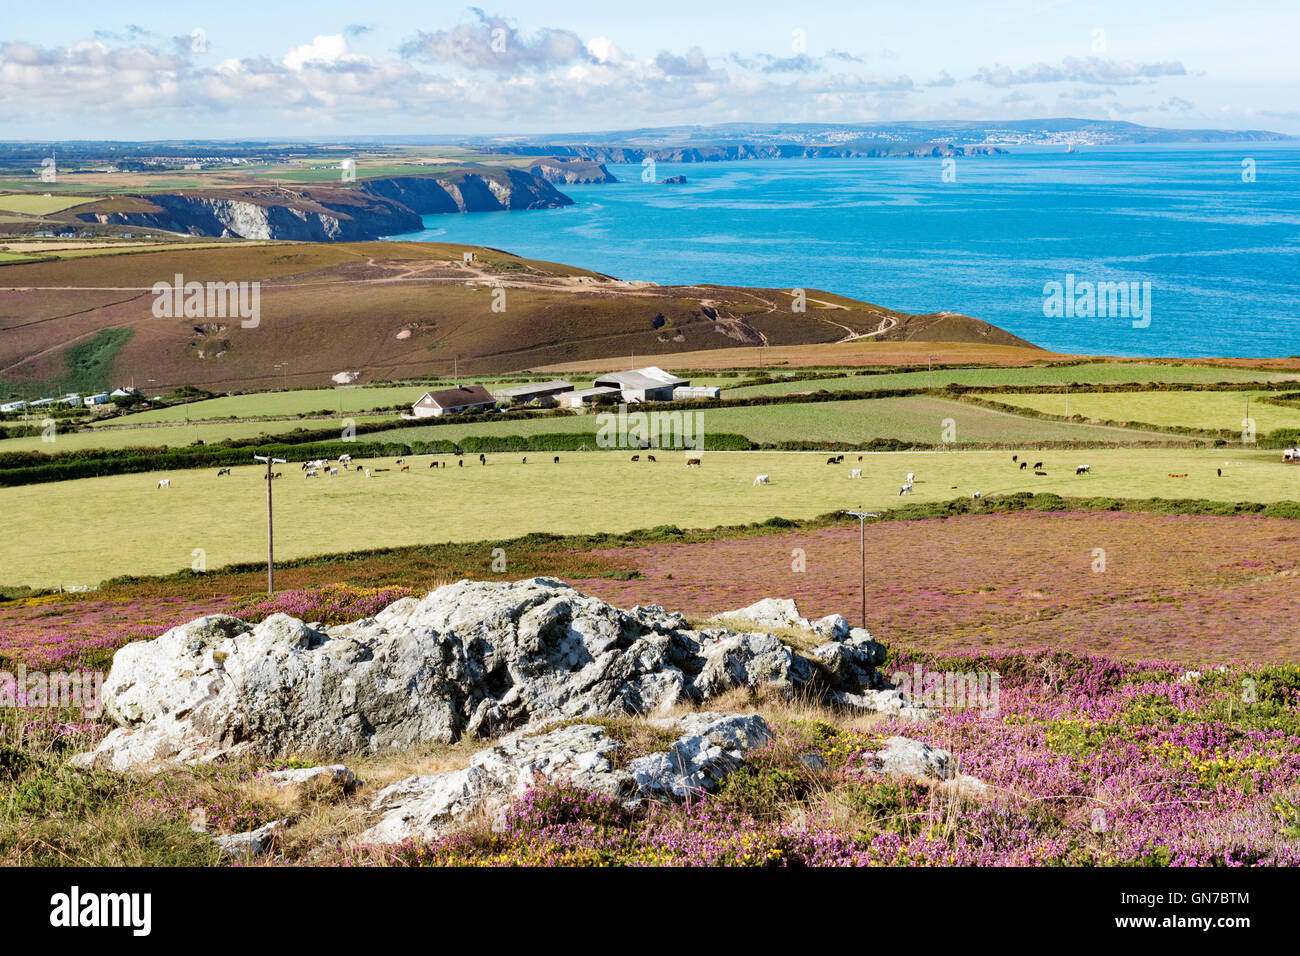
(1203, 590)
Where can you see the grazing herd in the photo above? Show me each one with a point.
(315, 467)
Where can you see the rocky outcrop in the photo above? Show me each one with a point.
(673, 181)
(589, 756)
(472, 658)
(571, 172)
(364, 210)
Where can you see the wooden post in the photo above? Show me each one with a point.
(270, 528)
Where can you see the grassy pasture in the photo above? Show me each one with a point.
(32, 204)
(83, 531)
(911, 418)
(1091, 373)
(173, 436)
(301, 402)
(1209, 410)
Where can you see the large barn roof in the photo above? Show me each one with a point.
(649, 377)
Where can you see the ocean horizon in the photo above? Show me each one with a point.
(1206, 237)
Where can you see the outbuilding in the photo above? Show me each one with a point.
(586, 396)
(544, 392)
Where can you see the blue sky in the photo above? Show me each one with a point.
(150, 70)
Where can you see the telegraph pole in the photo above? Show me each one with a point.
(270, 536)
(862, 517)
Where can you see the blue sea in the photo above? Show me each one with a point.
(1221, 253)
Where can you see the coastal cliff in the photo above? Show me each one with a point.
(738, 151)
(329, 212)
(569, 171)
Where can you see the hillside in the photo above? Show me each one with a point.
(382, 311)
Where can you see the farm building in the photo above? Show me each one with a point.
(585, 396)
(649, 384)
(544, 392)
(453, 401)
(123, 392)
(13, 406)
(688, 392)
(99, 398)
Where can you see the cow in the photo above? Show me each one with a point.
(855, 473)
(831, 460)
(636, 457)
(367, 472)
(1041, 474)
(859, 458)
(557, 460)
(482, 459)
(1037, 465)
(405, 468)
(762, 480)
(345, 459)
(461, 462)
(433, 464)
(910, 477)
(976, 496)
(1015, 457)
(165, 483)
(400, 461)
(1024, 465)
(1082, 470)
(693, 463)
(279, 474)
(334, 472)
(525, 459)
(648, 458)
(312, 473)
(1220, 471)
(905, 490)
(222, 471)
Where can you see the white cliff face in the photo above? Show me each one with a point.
(478, 658)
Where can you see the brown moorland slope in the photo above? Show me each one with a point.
(382, 311)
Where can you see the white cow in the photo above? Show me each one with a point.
(856, 473)
(367, 472)
(312, 473)
(910, 477)
(165, 483)
(762, 480)
(976, 495)
(906, 489)
(334, 472)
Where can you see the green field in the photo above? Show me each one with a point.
(81, 532)
(270, 404)
(1207, 410)
(173, 436)
(1099, 373)
(38, 205)
(914, 419)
